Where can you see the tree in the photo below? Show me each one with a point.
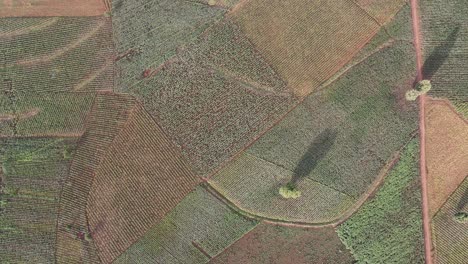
(461, 217)
(424, 86)
(412, 94)
(289, 191)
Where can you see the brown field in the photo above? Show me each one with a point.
(447, 151)
(142, 177)
(41, 8)
(283, 245)
(303, 40)
(108, 115)
(382, 10)
(450, 236)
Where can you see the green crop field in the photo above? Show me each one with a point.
(252, 184)
(445, 47)
(364, 116)
(59, 55)
(32, 171)
(215, 97)
(198, 227)
(388, 227)
(450, 236)
(154, 30)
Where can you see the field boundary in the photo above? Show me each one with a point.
(30, 29)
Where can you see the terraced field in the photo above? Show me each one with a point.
(32, 171)
(198, 228)
(140, 179)
(58, 54)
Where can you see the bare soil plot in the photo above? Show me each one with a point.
(108, 116)
(31, 175)
(285, 245)
(57, 54)
(140, 179)
(450, 236)
(42, 8)
(304, 41)
(446, 151)
(252, 184)
(197, 229)
(381, 10)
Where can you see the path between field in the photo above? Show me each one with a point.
(422, 135)
(30, 29)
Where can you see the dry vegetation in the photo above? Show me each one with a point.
(446, 151)
(450, 236)
(305, 41)
(284, 245)
(41, 8)
(108, 115)
(140, 179)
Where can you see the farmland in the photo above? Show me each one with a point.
(69, 53)
(252, 184)
(197, 229)
(140, 179)
(446, 154)
(37, 8)
(388, 227)
(108, 115)
(364, 117)
(215, 96)
(31, 174)
(302, 40)
(382, 10)
(279, 245)
(450, 236)
(445, 35)
(150, 32)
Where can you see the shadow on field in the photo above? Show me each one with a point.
(315, 152)
(439, 55)
(463, 200)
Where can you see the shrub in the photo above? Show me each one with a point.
(461, 217)
(424, 86)
(289, 191)
(412, 94)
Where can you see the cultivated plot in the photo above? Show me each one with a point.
(42, 8)
(141, 177)
(304, 41)
(31, 176)
(197, 229)
(382, 10)
(446, 151)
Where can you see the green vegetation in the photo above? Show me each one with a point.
(199, 222)
(388, 227)
(31, 176)
(289, 191)
(461, 217)
(422, 87)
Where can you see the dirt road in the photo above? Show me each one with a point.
(422, 135)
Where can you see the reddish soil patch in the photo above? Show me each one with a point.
(283, 245)
(37, 8)
(446, 152)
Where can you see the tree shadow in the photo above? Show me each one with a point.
(463, 200)
(439, 55)
(315, 152)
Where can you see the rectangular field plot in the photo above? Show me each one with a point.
(57, 54)
(353, 127)
(445, 47)
(253, 185)
(215, 96)
(198, 228)
(31, 174)
(450, 234)
(148, 32)
(42, 8)
(306, 42)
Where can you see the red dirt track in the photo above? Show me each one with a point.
(39, 8)
(422, 135)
